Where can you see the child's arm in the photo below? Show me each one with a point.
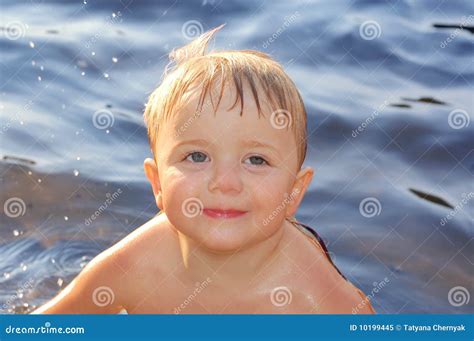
(98, 289)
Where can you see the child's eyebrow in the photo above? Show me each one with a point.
(196, 141)
(254, 143)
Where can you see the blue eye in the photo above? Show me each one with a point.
(257, 161)
(197, 157)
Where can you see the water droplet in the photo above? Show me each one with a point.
(85, 2)
(39, 78)
(32, 45)
(78, 158)
(33, 62)
(106, 75)
(39, 180)
(114, 59)
(107, 131)
(93, 53)
(16, 233)
(29, 173)
(60, 282)
(76, 172)
(23, 267)
(113, 15)
(63, 106)
(66, 218)
(42, 68)
(83, 73)
(6, 275)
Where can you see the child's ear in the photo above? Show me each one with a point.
(302, 182)
(151, 171)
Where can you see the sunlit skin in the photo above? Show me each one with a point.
(234, 162)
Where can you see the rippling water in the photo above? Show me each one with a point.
(388, 90)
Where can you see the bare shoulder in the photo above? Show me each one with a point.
(343, 297)
(323, 286)
(107, 283)
(152, 241)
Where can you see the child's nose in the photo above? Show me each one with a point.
(226, 177)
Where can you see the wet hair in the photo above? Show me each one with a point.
(191, 67)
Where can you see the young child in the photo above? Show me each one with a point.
(228, 135)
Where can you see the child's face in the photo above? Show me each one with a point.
(223, 169)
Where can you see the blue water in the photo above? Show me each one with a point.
(407, 84)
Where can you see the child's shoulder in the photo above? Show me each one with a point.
(325, 287)
(147, 244)
(110, 282)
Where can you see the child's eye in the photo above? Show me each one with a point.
(257, 161)
(196, 157)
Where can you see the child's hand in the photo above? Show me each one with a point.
(94, 291)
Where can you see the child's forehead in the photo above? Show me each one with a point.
(224, 122)
(225, 125)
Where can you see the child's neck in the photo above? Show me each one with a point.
(232, 268)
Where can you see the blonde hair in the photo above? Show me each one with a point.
(191, 66)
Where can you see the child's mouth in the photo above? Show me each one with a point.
(222, 214)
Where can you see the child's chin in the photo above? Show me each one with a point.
(224, 241)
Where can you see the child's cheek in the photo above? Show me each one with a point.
(269, 200)
(180, 190)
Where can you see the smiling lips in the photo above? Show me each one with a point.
(222, 214)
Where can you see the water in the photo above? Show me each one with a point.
(75, 77)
